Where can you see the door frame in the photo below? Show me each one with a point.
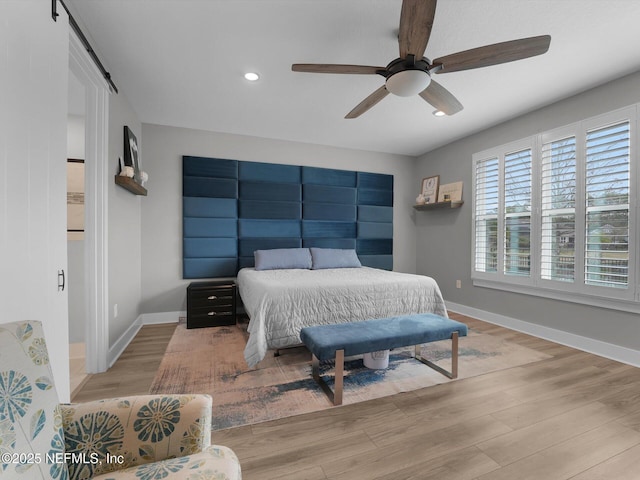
(96, 289)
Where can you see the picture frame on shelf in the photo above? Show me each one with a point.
(131, 157)
(450, 192)
(429, 189)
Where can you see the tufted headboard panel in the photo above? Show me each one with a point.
(232, 208)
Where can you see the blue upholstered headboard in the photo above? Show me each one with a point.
(232, 208)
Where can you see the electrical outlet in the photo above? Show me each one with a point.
(458, 283)
(115, 310)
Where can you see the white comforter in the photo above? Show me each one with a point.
(281, 302)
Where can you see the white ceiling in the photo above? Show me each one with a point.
(181, 63)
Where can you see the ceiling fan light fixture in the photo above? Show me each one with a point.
(438, 113)
(408, 82)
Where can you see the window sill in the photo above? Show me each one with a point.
(621, 304)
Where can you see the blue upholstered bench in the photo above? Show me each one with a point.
(327, 342)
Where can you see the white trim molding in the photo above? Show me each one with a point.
(594, 300)
(162, 317)
(144, 319)
(96, 214)
(123, 342)
(586, 344)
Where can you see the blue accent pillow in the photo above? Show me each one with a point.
(281, 258)
(334, 258)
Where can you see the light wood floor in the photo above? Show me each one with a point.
(573, 416)
(133, 372)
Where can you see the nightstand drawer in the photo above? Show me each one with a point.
(212, 310)
(217, 302)
(225, 295)
(211, 304)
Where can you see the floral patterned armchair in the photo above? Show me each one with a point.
(144, 437)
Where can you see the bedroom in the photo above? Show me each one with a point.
(144, 234)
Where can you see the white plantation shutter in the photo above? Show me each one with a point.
(486, 215)
(517, 213)
(607, 206)
(558, 183)
(556, 214)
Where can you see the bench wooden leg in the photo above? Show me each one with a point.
(334, 395)
(454, 359)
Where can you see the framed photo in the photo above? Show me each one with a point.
(430, 189)
(131, 158)
(450, 192)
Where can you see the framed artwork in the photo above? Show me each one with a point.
(131, 157)
(75, 199)
(430, 189)
(450, 192)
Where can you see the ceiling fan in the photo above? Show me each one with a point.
(411, 73)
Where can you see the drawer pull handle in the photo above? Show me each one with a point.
(211, 314)
(212, 297)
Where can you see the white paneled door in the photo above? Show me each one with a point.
(34, 68)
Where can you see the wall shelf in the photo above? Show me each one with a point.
(131, 185)
(438, 205)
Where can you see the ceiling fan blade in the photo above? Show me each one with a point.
(494, 54)
(441, 98)
(368, 102)
(331, 68)
(416, 21)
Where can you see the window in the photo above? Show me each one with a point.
(486, 222)
(554, 212)
(607, 206)
(558, 210)
(517, 213)
(503, 187)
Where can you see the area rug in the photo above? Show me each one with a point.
(210, 360)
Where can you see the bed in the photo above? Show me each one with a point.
(280, 302)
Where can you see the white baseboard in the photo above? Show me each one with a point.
(132, 331)
(162, 317)
(590, 345)
(122, 343)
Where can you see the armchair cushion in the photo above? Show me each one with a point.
(134, 431)
(31, 437)
(214, 463)
(144, 437)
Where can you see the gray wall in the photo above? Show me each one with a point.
(443, 237)
(163, 289)
(124, 225)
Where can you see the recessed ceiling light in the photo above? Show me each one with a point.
(251, 76)
(439, 113)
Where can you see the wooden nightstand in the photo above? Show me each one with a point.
(211, 304)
